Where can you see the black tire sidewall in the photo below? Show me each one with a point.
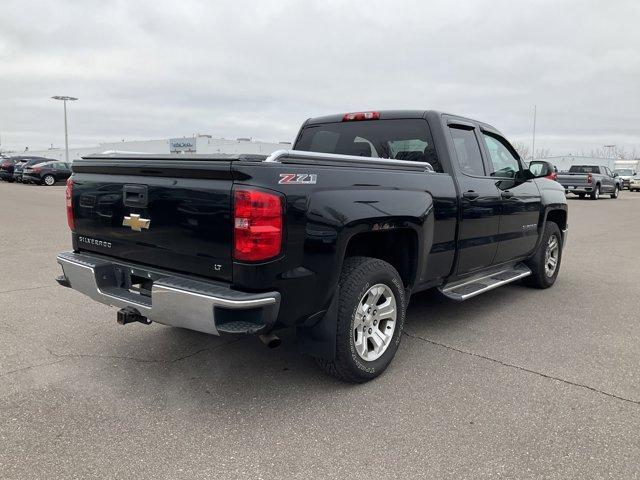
(539, 277)
(350, 296)
(550, 229)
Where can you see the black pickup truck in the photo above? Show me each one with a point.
(330, 238)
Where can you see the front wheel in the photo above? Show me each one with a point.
(371, 313)
(48, 180)
(615, 192)
(545, 264)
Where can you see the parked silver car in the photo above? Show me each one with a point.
(625, 175)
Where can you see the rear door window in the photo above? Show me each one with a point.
(467, 150)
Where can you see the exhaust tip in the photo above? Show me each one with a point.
(271, 340)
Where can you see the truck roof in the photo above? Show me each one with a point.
(384, 114)
(396, 115)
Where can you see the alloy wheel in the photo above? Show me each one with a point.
(551, 255)
(375, 322)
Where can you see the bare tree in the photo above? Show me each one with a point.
(522, 149)
(543, 153)
(613, 152)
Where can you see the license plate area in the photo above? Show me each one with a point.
(135, 280)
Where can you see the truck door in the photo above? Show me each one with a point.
(521, 202)
(479, 204)
(608, 179)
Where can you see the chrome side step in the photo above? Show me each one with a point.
(483, 282)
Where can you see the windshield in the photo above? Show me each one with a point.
(406, 139)
(624, 171)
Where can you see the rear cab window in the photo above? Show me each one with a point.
(584, 169)
(400, 139)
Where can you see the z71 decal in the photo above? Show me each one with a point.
(298, 178)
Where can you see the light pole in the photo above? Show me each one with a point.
(533, 143)
(609, 151)
(64, 98)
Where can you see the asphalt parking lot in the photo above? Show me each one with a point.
(517, 383)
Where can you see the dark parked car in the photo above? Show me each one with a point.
(25, 161)
(47, 173)
(6, 169)
(330, 238)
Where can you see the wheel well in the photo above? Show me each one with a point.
(558, 217)
(396, 247)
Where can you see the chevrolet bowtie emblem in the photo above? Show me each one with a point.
(135, 222)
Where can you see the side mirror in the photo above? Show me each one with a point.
(538, 170)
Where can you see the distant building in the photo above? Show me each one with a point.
(198, 144)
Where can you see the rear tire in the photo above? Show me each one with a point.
(542, 276)
(366, 284)
(596, 193)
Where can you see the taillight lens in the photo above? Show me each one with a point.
(69, 199)
(552, 176)
(589, 178)
(257, 224)
(36, 169)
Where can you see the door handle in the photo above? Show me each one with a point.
(470, 195)
(135, 196)
(506, 194)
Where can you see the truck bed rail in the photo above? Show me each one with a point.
(299, 156)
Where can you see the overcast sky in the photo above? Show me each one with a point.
(157, 69)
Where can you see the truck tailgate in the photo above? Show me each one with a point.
(169, 213)
(573, 179)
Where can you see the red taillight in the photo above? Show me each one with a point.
(589, 178)
(69, 198)
(349, 117)
(36, 169)
(552, 176)
(257, 225)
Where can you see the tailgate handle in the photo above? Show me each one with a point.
(135, 196)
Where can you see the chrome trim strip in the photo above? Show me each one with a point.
(280, 156)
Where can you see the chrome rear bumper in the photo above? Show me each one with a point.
(175, 300)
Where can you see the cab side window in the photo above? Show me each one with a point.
(467, 150)
(504, 163)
